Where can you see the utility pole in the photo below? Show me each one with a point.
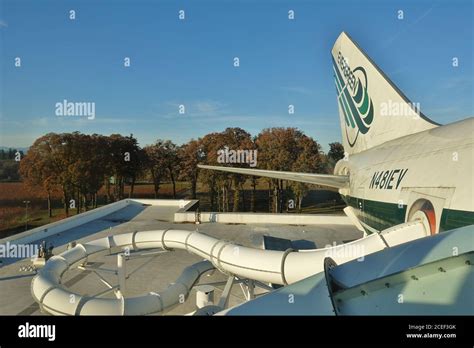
(26, 214)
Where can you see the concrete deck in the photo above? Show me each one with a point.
(153, 273)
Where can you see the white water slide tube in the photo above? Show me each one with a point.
(269, 266)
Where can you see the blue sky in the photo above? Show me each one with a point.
(190, 62)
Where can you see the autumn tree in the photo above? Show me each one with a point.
(238, 139)
(287, 149)
(190, 154)
(37, 168)
(126, 161)
(83, 161)
(95, 167)
(215, 181)
(309, 160)
(277, 150)
(47, 162)
(157, 162)
(77, 163)
(336, 151)
(172, 162)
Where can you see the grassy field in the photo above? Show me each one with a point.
(13, 217)
(13, 194)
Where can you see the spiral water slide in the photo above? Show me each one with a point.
(269, 266)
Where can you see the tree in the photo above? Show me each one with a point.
(277, 150)
(37, 169)
(125, 160)
(9, 170)
(309, 160)
(95, 167)
(221, 183)
(77, 163)
(288, 149)
(237, 139)
(190, 155)
(157, 162)
(336, 151)
(46, 165)
(172, 162)
(215, 181)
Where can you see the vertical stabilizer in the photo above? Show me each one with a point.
(372, 109)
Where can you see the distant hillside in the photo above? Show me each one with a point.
(5, 148)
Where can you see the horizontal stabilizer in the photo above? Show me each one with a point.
(337, 181)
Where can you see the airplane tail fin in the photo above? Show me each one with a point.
(372, 109)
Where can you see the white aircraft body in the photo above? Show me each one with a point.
(399, 165)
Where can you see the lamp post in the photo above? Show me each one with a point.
(26, 214)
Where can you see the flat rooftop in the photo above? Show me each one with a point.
(153, 273)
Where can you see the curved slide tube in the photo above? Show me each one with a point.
(277, 267)
(56, 300)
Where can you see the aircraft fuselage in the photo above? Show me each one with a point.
(390, 182)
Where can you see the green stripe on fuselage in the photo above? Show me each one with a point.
(378, 215)
(382, 215)
(451, 219)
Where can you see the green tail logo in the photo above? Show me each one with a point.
(353, 98)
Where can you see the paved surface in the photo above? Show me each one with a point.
(157, 272)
